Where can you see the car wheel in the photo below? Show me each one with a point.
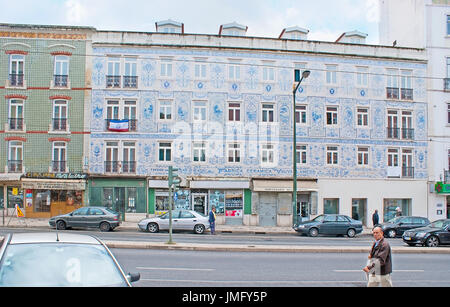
(313, 232)
(199, 229)
(61, 225)
(105, 226)
(391, 233)
(432, 241)
(152, 227)
(351, 233)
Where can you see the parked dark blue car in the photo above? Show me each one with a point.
(437, 233)
(330, 224)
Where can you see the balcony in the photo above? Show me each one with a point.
(15, 124)
(61, 80)
(125, 125)
(14, 166)
(400, 133)
(406, 94)
(16, 80)
(392, 93)
(111, 166)
(59, 124)
(407, 172)
(130, 81)
(113, 81)
(447, 84)
(59, 166)
(128, 166)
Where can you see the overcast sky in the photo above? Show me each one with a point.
(326, 19)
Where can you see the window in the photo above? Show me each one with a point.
(166, 69)
(332, 116)
(300, 114)
(15, 157)
(199, 112)
(165, 151)
(165, 110)
(200, 70)
(332, 155)
(61, 72)
(129, 112)
(392, 91)
(406, 85)
(59, 157)
(447, 80)
(393, 157)
(234, 112)
(234, 72)
(16, 70)
(407, 130)
(331, 74)
(130, 77)
(199, 152)
(363, 156)
(267, 154)
(301, 154)
(331, 206)
(393, 131)
(129, 157)
(113, 76)
(112, 157)
(362, 117)
(15, 117)
(448, 113)
(234, 152)
(301, 67)
(267, 113)
(407, 163)
(362, 76)
(59, 115)
(448, 24)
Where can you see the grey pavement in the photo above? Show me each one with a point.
(132, 225)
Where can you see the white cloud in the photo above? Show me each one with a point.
(76, 12)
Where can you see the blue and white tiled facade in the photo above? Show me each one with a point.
(252, 90)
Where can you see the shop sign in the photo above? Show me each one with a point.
(442, 188)
(56, 185)
(38, 175)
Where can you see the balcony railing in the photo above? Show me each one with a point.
(407, 133)
(130, 81)
(406, 94)
(128, 166)
(59, 124)
(392, 93)
(111, 166)
(407, 172)
(400, 133)
(61, 80)
(15, 124)
(112, 81)
(132, 125)
(16, 79)
(14, 166)
(59, 166)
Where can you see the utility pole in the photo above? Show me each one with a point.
(174, 184)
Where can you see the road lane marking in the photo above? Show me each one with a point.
(173, 269)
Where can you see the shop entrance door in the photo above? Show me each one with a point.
(200, 200)
(119, 202)
(268, 209)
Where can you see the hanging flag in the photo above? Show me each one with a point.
(19, 211)
(118, 125)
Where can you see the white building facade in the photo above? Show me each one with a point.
(430, 30)
(220, 108)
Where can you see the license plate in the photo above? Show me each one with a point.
(407, 238)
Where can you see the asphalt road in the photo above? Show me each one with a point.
(225, 238)
(166, 268)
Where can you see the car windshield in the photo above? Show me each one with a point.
(111, 211)
(59, 265)
(319, 218)
(438, 224)
(395, 219)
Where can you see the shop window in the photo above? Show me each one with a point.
(15, 196)
(392, 207)
(42, 201)
(331, 206)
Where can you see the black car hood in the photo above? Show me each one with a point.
(425, 229)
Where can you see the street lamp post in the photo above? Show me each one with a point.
(305, 75)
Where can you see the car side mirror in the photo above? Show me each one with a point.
(132, 277)
(400, 224)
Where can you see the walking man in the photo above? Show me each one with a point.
(379, 268)
(212, 220)
(375, 218)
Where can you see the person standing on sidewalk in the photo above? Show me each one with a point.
(379, 268)
(212, 220)
(375, 218)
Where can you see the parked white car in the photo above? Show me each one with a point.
(181, 220)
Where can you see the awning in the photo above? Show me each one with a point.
(48, 184)
(284, 185)
(219, 184)
(10, 177)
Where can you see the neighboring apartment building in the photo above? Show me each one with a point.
(219, 107)
(43, 94)
(430, 30)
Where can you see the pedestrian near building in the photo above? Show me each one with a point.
(398, 211)
(379, 268)
(212, 220)
(375, 218)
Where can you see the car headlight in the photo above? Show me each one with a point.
(421, 234)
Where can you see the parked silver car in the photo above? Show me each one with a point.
(87, 217)
(61, 259)
(181, 220)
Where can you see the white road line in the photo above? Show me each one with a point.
(173, 269)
